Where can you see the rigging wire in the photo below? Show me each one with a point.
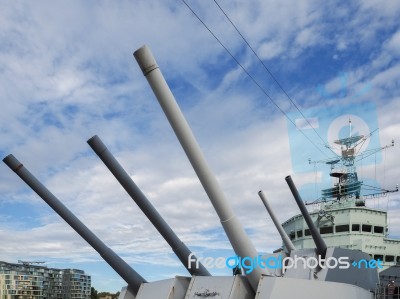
(370, 153)
(383, 190)
(384, 167)
(362, 141)
(251, 77)
(273, 77)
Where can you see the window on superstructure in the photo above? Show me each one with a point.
(342, 228)
(292, 236)
(307, 232)
(355, 228)
(378, 229)
(299, 233)
(366, 228)
(389, 258)
(378, 257)
(398, 259)
(326, 230)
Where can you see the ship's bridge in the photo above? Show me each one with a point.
(349, 226)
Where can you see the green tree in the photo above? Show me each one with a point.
(93, 293)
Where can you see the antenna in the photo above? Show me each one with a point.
(344, 169)
(350, 127)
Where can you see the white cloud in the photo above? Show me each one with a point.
(306, 38)
(269, 50)
(67, 76)
(389, 11)
(394, 44)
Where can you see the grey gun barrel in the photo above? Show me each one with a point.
(319, 242)
(285, 238)
(181, 250)
(238, 238)
(133, 279)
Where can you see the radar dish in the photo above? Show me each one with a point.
(349, 141)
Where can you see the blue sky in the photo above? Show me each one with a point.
(67, 73)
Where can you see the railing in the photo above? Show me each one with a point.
(387, 292)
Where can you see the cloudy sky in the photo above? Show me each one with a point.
(67, 73)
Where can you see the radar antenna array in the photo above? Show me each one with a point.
(344, 169)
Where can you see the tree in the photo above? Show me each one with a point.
(93, 293)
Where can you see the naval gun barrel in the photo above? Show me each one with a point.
(181, 250)
(133, 279)
(319, 242)
(285, 238)
(241, 243)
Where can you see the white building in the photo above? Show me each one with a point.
(27, 281)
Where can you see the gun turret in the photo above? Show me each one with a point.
(133, 279)
(285, 238)
(241, 243)
(180, 249)
(319, 242)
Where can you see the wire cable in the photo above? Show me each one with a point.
(273, 77)
(250, 76)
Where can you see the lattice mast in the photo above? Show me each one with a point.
(344, 169)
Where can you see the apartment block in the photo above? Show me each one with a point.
(28, 281)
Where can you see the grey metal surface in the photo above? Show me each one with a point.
(285, 238)
(319, 242)
(133, 279)
(174, 288)
(289, 288)
(302, 271)
(366, 278)
(126, 294)
(239, 240)
(272, 259)
(180, 249)
(220, 287)
(390, 274)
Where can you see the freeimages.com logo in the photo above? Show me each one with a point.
(248, 264)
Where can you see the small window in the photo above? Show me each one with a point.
(299, 233)
(389, 258)
(398, 259)
(326, 230)
(307, 232)
(292, 236)
(355, 228)
(342, 228)
(366, 228)
(378, 229)
(378, 257)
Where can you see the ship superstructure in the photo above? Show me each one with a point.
(341, 214)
